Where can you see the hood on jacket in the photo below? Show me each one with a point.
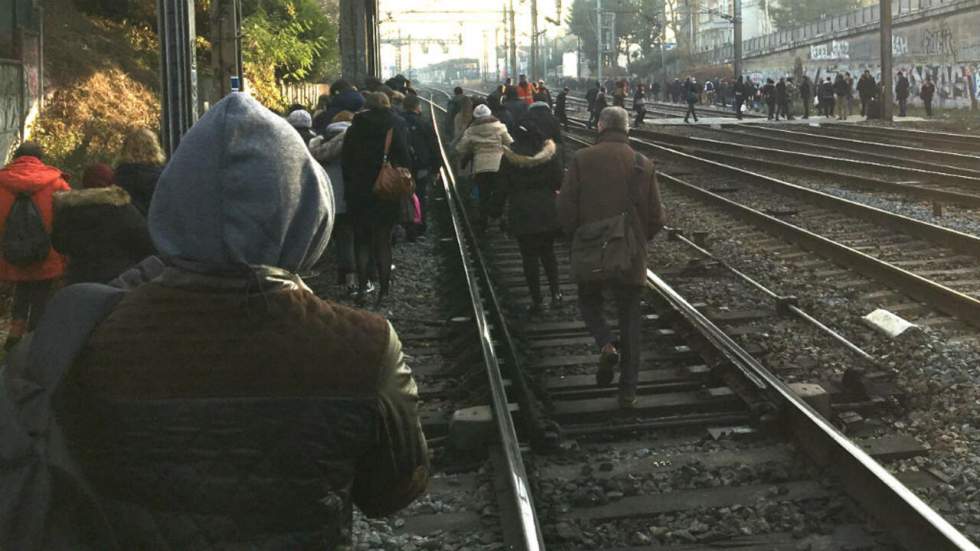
(242, 189)
(28, 175)
(547, 152)
(139, 180)
(335, 128)
(112, 196)
(539, 105)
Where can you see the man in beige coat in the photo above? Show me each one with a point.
(596, 187)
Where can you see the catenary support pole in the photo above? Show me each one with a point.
(885, 9)
(737, 38)
(178, 70)
(598, 36)
(359, 40)
(514, 70)
(225, 42)
(534, 41)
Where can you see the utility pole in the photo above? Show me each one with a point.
(885, 9)
(513, 43)
(226, 40)
(178, 70)
(598, 35)
(496, 52)
(737, 37)
(534, 41)
(359, 39)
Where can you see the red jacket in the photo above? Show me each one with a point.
(30, 175)
(525, 91)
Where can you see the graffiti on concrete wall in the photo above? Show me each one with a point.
(900, 45)
(833, 50)
(952, 80)
(939, 41)
(11, 107)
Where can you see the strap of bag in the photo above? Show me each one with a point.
(632, 194)
(70, 317)
(388, 143)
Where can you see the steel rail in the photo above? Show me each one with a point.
(887, 160)
(923, 193)
(531, 535)
(943, 298)
(949, 138)
(953, 239)
(914, 524)
(685, 140)
(813, 137)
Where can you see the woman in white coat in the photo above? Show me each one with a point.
(482, 145)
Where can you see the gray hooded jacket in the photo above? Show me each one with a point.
(242, 189)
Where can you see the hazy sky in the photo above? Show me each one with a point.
(446, 20)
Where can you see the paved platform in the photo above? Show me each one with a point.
(710, 119)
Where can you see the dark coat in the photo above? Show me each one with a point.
(515, 108)
(927, 90)
(348, 100)
(139, 181)
(596, 187)
(361, 160)
(902, 88)
(423, 143)
(866, 87)
(841, 87)
(101, 233)
(827, 90)
(529, 183)
(561, 102)
(545, 122)
(195, 438)
(806, 89)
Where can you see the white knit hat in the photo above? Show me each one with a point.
(481, 111)
(300, 119)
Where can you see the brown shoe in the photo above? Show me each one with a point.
(608, 360)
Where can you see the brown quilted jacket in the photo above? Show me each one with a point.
(211, 415)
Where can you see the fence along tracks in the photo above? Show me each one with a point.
(910, 521)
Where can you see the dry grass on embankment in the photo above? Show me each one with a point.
(101, 83)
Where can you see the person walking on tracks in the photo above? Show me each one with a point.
(561, 107)
(598, 104)
(610, 205)
(530, 176)
(740, 90)
(806, 95)
(769, 95)
(866, 90)
(453, 109)
(309, 405)
(366, 148)
(482, 145)
(926, 92)
(27, 188)
(902, 87)
(691, 91)
(826, 92)
(640, 104)
(98, 229)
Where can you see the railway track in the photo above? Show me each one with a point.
(603, 478)
(770, 150)
(932, 265)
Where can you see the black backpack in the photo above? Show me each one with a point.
(25, 239)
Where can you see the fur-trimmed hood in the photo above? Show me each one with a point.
(547, 153)
(111, 196)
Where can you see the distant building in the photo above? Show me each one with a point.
(712, 22)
